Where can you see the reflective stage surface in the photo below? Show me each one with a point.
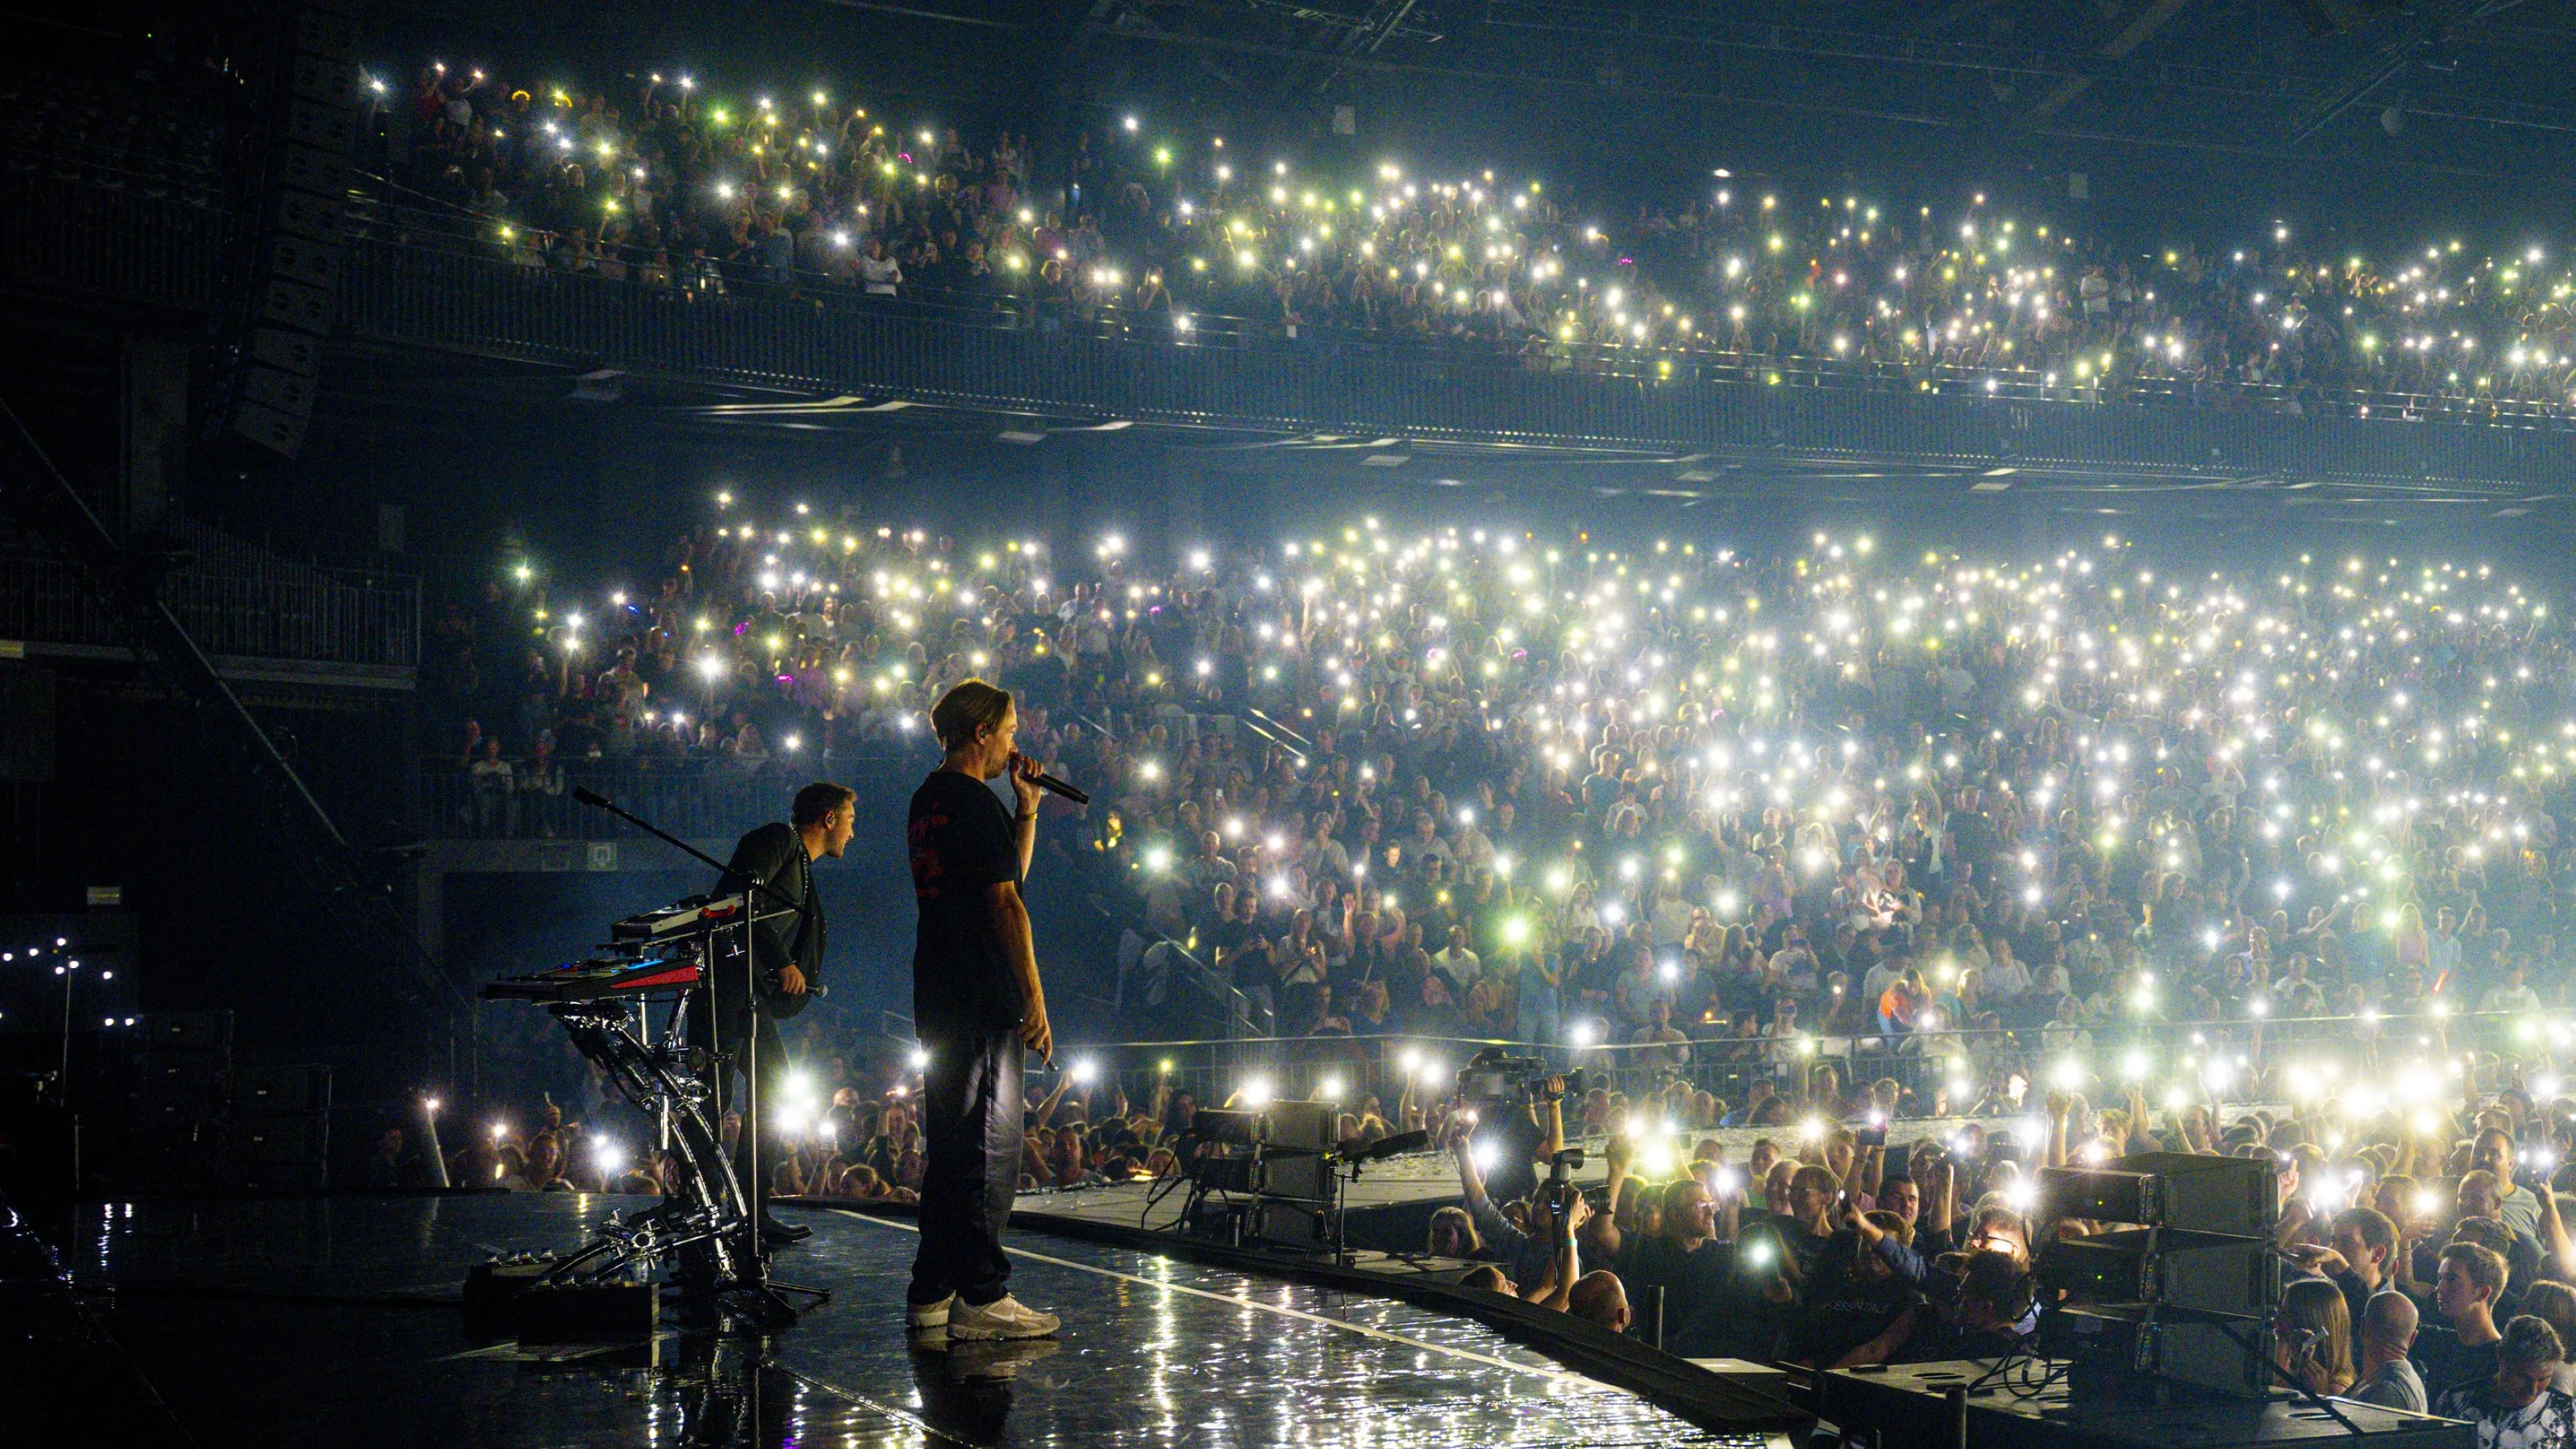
(336, 1321)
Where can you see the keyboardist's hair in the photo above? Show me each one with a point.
(969, 706)
(818, 800)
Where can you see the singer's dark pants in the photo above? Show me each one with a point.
(971, 1120)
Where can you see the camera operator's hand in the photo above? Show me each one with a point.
(1577, 1214)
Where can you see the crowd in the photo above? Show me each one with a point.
(1810, 841)
(2428, 1254)
(668, 183)
(2428, 1258)
(1676, 810)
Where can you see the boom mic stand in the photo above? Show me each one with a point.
(753, 1281)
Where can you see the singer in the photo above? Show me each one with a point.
(977, 1004)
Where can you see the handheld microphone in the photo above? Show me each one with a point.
(1050, 783)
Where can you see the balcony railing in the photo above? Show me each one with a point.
(124, 245)
(236, 601)
(423, 286)
(838, 340)
(695, 800)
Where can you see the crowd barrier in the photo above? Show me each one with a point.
(2369, 1062)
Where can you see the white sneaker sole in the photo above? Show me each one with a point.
(985, 1332)
(918, 1319)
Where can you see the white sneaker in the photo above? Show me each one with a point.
(1004, 1317)
(927, 1315)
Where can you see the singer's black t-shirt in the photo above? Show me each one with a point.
(961, 842)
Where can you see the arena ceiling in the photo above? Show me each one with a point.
(2269, 93)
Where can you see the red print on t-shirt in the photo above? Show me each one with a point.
(926, 868)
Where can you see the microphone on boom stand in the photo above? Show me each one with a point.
(597, 801)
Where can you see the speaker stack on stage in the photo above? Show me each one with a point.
(1272, 1181)
(2180, 1290)
(204, 1121)
(281, 1128)
(182, 1088)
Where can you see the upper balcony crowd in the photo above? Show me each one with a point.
(692, 183)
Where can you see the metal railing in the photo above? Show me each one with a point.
(235, 603)
(1165, 966)
(842, 341)
(707, 800)
(414, 286)
(2373, 1062)
(1009, 302)
(126, 245)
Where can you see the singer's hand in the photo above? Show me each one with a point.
(1024, 782)
(791, 982)
(1036, 1034)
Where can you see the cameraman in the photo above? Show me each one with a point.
(1518, 1140)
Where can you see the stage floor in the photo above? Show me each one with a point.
(334, 1320)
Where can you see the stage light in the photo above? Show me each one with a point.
(1255, 1092)
(920, 1058)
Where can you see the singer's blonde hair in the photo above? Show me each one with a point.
(968, 707)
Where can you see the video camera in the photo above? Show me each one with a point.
(1559, 1192)
(1507, 1080)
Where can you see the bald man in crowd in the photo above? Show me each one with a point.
(2387, 1332)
